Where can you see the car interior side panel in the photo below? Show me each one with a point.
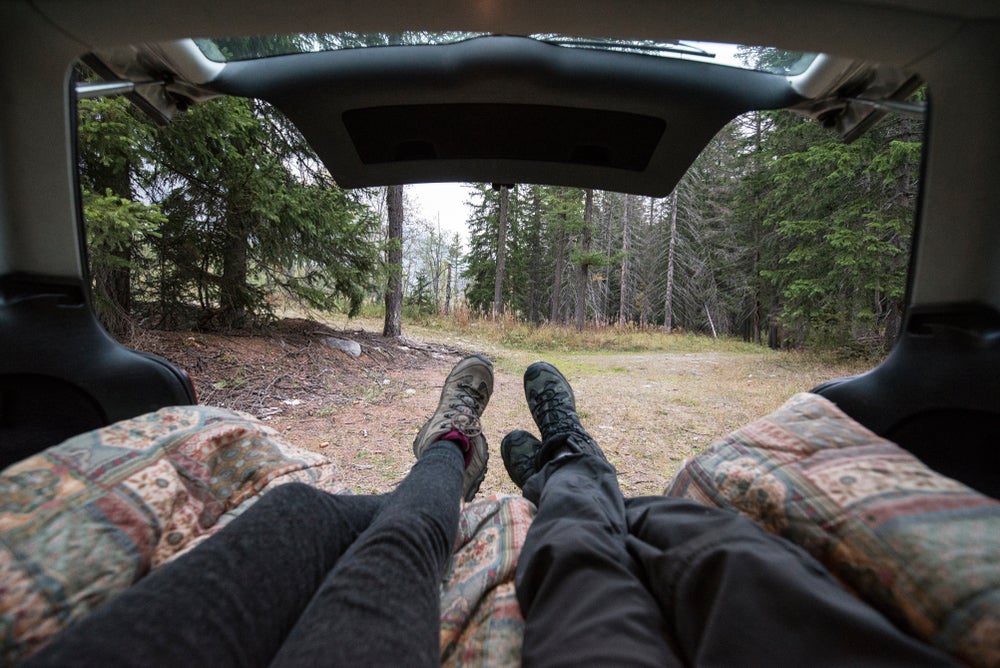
(68, 376)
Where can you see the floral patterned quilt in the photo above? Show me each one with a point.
(85, 519)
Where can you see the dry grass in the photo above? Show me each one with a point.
(649, 398)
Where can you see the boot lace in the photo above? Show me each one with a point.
(552, 405)
(468, 403)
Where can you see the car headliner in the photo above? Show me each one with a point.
(951, 47)
(507, 110)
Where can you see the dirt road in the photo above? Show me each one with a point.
(647, 410)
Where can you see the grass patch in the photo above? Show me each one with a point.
(547, 339)
(552, 338)
(651, 399)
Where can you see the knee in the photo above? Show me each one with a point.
(666, 522)
(576, 543)
(297, 495)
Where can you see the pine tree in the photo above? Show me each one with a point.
(248, 209)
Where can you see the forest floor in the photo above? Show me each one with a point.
(648, 410)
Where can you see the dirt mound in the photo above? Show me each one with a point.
(295, 362)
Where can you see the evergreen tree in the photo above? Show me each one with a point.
(483, 231)
(112, 139)
(242, 220)
(844, 236)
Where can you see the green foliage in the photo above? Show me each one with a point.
(781, 229)
(480, 271)
(214, 212)
(420, 301)
(543, 222)
(110, 143)
(242, 220)
(594, 258)
(783, 233)
(113, 225)
(842, 216)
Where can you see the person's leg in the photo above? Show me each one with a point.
(380, 606)
(232, 600)
(583, 600)
(732, 594)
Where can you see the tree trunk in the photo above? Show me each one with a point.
(234, 293)
(114, 284)
(501, 251)
(447, 291)
(557, 275)
(535, 255)
(583, 270)
(646, 286)
(456, 275)
(668, 317)
(625, 292)
(755, 223)
(113, 281)
(394, 261)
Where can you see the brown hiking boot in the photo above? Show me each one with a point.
(466, 392)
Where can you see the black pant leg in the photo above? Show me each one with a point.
(582, 599)
(732, 594)
(232, 600)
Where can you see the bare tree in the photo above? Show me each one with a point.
(668, 317)
(583, 266)
(625, 294)
(447, 291)
(394, 262)
(501, 251)
(454, 270)
(557, 274)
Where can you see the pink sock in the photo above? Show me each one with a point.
(462, 441)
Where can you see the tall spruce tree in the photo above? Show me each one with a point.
(113, 140)
(250, 210)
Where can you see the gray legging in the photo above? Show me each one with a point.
(302, 578)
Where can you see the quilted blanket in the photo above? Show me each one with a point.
(920, 547)
(84, 520)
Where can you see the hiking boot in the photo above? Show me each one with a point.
(466, 392)
(553, 407)
(519, 450)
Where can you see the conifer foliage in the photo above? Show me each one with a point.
(779, 233)
(199, 222)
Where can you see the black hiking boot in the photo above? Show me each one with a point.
(466, 391)
(519, 450)
(553, 407)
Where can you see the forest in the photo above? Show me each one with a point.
(779, 233)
